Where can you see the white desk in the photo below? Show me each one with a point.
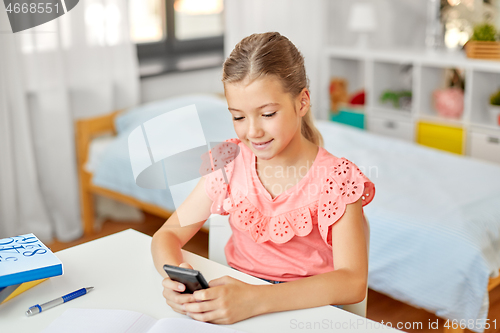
(120, 267)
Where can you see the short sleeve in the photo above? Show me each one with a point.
(344, 185)
(217, 168)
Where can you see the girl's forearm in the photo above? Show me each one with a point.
(336, 287)
(166, 249)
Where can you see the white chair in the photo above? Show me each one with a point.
(219, 234)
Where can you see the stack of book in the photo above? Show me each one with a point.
(25, 262)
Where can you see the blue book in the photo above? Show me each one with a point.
(25, 258)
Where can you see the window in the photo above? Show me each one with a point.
(147, 21)
(174, 35)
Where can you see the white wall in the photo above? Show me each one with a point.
(401, 23)
(175, 84)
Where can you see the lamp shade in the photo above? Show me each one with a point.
(362, 17)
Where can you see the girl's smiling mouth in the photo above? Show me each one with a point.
(263, 145)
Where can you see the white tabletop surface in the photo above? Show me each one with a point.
(121, 269)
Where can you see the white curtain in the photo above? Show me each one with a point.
(79, 65)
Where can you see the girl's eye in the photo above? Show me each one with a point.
(265, 115)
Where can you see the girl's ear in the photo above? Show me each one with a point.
(304, 100)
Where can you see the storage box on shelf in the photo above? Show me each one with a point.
(442, 137)
(473, 132)
(485, 144)
(391, 126)
(349, 116)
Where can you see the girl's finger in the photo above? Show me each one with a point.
(173, 285)
(208, 316)
(176, 307)
(185, 265)
(201, 307)
(174, 296)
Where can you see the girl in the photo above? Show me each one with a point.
(295, 210)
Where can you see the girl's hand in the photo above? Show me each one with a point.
(173, 295)
(227, 301)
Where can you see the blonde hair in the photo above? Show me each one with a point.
(270, 53)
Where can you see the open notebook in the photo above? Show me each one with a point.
(121, 321)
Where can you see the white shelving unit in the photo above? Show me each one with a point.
(379, 70)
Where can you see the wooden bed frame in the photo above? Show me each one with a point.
(86, 130)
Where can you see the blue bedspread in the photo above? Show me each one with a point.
(435, 218)
(435, 221)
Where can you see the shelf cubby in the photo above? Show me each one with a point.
(350, 69)
(388, 76)
(474, 133)
(431, 79)
(484, 84)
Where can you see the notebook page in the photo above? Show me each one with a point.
(181, 325)
(100, 321)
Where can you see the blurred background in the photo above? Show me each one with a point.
(107, 55)
(412, 73)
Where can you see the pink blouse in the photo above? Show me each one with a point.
(288, 237)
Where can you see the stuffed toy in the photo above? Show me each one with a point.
(338, 93)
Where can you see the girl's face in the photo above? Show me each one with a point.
(266, 118)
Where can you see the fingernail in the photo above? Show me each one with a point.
(179, 287)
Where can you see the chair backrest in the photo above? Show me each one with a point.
(220, 232)
(218, 235)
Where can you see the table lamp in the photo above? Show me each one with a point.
(363, 21)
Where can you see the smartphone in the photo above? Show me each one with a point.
(192, 279)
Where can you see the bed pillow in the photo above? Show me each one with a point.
(212, 110)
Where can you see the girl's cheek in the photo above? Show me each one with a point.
(239, 128)
(239, 132)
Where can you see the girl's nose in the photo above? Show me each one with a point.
(255, 130)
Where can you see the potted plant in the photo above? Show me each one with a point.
(400, 100)
(483, 43)
(495, 107)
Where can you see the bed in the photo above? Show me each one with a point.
(104, 167)
(435, 220)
